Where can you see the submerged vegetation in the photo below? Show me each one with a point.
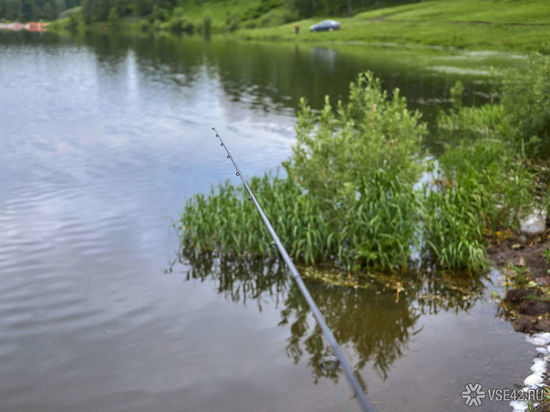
(351, 197)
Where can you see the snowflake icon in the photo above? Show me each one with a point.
(473, 394)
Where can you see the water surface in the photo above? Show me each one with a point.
(103, 138)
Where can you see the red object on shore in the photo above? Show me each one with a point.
(32, 26)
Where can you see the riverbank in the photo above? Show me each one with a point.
(464, 25)
(523, 260)
(467, 24)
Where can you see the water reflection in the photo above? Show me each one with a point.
(274, 77)
(370, 321)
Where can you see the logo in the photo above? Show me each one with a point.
(473, 394)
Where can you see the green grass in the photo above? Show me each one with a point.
(493, 11)
(464, 24)
(507, 25)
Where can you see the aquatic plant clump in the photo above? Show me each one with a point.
(350, 198)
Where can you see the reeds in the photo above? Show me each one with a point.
(375, 231)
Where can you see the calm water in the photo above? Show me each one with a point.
(102, 141)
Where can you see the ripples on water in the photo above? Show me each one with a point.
(102, 140)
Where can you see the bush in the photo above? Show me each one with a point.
(338, 149)
(526, 102)
(178, 24)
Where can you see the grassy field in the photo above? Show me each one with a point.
(465, 24)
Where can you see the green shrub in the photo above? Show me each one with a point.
(339, 148)
(526, 102)
(179, 24)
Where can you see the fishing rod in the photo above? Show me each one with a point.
(337, 350)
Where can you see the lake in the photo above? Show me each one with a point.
(104, 137)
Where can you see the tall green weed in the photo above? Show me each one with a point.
(526, 103)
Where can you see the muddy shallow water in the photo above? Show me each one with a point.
(103, 138)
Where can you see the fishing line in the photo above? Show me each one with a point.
(188, 154)
(337, 350)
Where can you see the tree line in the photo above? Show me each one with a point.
(28, 10)
(309, 8)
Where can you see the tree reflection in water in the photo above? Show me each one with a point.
(368, 321)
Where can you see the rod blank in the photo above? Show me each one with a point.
(346, 366)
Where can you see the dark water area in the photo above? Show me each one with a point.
(102, 140)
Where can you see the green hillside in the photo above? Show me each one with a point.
(470, 24)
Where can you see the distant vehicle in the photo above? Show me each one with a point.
(329, 25)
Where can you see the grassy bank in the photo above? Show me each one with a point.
(506, 25)
(464, 24)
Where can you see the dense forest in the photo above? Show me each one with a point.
(28, 10)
